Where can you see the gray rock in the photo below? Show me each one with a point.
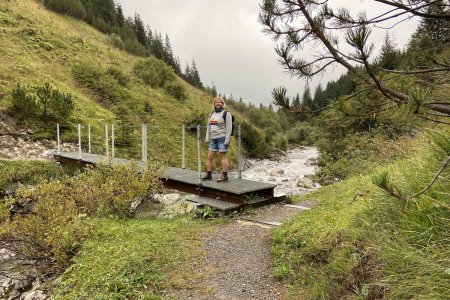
(276, 172)
(135, 204)
(35, 295)
(311, 162)
(167, 199)
(6, 255)
(304, 183)
(260, 170)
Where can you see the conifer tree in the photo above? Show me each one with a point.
(303, 23)
(307, 100)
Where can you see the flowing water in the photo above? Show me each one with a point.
(285, 173)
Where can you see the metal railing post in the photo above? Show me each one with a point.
(144, 143)
(79, 141)
(183, 145)
(89, 138)
(106, 140)
(239, 153)
(112, 140)
(58, 140)
(199, 155)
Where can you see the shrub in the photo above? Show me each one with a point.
(24, 104)
(53, 103)
(196, 117)
(108, 85)
(253, 142)
(302, 133)
(46, 102)
(118, 75)
(154, 72)
(176, 90)
(49, 222)
(281, 141)
(117, 41)
(72, 8)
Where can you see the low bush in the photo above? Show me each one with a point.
(154, 72)
(253, 142)
(196, 117)
(175, 90)
(118, 75)
(281, 142)
(29, 172)
(303, 133)
(43, 101)
(49, 222)
(109, 85)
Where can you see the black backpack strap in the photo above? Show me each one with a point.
(225, 116)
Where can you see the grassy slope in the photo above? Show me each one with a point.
(362, 243)
(37, 45)
(136, 259)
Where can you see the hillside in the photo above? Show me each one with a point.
(38, 46)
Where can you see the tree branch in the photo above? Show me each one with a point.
(433, 180)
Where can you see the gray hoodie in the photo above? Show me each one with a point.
(217, 128)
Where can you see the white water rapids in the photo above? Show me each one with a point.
(285, 173)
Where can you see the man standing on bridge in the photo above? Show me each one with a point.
(218, 134)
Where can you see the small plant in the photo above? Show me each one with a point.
(206, 212)
(383, 180)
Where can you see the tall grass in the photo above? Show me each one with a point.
(365, 242)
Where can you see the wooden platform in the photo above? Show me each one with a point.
(240, 192)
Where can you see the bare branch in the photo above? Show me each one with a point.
(433, 180)
(415, 10)
(446, 69)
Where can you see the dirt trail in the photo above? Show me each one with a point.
(238, 257)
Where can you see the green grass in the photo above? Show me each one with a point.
(133, 259)
(30, 172)
(363, 243)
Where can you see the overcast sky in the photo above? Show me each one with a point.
(230, 50)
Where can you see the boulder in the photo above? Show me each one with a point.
(311, 162)
(167, 199)
(304, 183)
(6, 255)
(260, 170)
(35, 295)
(276, 172)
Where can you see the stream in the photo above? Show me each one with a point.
(289, 174)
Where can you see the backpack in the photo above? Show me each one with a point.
(225, 119)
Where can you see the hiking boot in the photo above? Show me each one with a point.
(208, 176)
(223, 177)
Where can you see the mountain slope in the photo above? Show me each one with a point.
(38, 46)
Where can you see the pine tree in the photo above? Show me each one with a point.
(307, 99)
(390, 57)
(139, 30)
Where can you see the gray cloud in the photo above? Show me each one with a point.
(226, 42)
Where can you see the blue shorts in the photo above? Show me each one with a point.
(218, 145)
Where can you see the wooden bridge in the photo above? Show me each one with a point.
(235, 193)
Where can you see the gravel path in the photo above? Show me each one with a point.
(238, 258)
